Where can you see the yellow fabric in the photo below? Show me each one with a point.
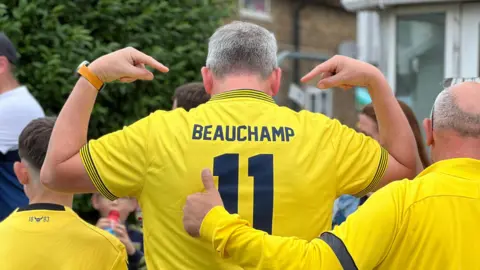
(292, 164)
(428, 223)
(47, 239)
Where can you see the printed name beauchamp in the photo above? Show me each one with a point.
(242, 133)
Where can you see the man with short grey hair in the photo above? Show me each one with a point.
(17, 108)
(431, 222)
(229, 53)
(254, 147)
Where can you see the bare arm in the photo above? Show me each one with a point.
(395, 133)
(63, 169)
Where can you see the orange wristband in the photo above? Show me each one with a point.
(92, 78)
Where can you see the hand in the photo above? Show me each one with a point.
(199, 204)
(122, 235)
(103, 223)
(344, 72)
(126, 65)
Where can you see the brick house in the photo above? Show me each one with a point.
(323, 25)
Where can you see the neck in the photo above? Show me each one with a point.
(458, 148)
(44, 196)
(241, 82)
(8, 83)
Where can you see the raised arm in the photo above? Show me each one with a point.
(63, 169)
(395, 132)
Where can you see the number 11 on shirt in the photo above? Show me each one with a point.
(260, 167)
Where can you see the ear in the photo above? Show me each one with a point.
(134, 205)
(427, 126)
(95, 202)
(21, 172)
(275, 81)
(207, 80)
(4, 64)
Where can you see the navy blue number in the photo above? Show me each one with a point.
(260, 167)
(226, 168)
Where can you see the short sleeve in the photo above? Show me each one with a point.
(360, 160)
(117, 162)
(368, 234)
(121, 261)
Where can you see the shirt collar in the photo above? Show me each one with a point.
(464, 167)
(42, 206)
(243, 93)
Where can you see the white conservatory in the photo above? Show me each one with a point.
(419, 43)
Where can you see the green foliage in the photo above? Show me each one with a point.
(53, 37)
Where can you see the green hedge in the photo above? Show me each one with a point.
(53, 37)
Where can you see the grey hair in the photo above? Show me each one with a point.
(242, 48)
(448, 115)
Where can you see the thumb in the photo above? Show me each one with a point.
(140, 73)
(332, 81)
(207, 179)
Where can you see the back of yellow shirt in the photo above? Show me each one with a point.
(49, 236)
(431, 222)
(279, 169)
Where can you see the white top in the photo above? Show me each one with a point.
(17, 108)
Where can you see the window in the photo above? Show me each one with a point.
(256, 9)
(420, 60)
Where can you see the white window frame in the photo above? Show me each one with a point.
(452, 37)
(256, 15)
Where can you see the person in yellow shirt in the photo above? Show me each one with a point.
(431, 222)
(47, 234)
(254, 147)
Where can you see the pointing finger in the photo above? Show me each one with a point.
(326, 67)
(141, 58)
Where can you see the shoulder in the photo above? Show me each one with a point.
(21, 101)
(7, 223)
(101, 237)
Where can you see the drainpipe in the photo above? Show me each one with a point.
(296, 39)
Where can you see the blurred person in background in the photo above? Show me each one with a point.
(47, 234)
(189, 96)
(368, 125)
(129, 234)
(17, 108)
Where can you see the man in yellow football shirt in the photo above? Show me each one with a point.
(47, 234)
(431, 222)
(254, 147)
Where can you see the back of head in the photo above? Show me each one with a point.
(456, 109)
(242, 48)
(33, 142)
(189, 96)
(8, 59)
(455, 122)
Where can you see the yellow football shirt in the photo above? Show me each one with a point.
(280, 169)
(431, 222)
(49, 236)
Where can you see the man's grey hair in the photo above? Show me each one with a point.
(242, 48)
(448, 115)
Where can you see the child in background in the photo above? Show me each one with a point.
(113, 217)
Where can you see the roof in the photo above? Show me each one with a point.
(358, 5)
